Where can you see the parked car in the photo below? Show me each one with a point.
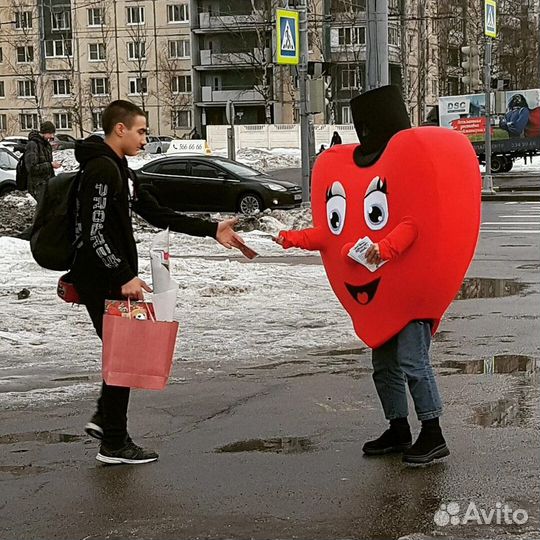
(63, 141)
(8, 165)
(157, 145)
(15, 143)
(211, 183)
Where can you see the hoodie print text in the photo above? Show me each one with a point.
(109, 259)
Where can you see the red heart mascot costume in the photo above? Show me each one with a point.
(396, 220)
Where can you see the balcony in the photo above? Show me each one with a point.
(234, 94)
(229, 22)
(254, 58)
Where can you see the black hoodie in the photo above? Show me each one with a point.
(109, 190)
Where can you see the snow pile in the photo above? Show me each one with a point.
(16, 213)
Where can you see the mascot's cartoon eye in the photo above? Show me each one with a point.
(336, 206)
(376, 205)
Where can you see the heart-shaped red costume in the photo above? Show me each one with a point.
(420, 201)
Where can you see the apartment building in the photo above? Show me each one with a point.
(64, 60)
(183, 61)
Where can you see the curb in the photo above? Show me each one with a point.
(506, 196)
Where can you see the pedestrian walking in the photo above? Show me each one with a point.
(195, 135)
(105, 265)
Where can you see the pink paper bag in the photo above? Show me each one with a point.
(137, 353)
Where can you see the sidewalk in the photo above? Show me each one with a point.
(514, 187)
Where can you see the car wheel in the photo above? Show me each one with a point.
(250, 204)
(508, 165)
(497, 164)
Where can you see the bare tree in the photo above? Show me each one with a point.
(175, 92)
(25, 63)
(105, 61)
(138, 48)
(256, 55)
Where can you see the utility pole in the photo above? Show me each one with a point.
(304, 110)
(377, 44)
(487, 186)
(490, 31)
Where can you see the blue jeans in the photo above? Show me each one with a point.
(402, 360)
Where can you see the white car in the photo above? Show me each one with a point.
(14, 143)
(157, 145)
(8, 165)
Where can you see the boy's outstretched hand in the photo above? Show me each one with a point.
(226, 236)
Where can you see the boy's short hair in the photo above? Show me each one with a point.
(120, 111)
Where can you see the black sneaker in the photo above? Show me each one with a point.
(430, 445)
(393, 440)
(93, 428)
(130, 453)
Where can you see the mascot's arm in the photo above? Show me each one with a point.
(398, 240)
(310, 239)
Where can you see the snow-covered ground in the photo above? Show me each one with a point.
(260, 159)
(231, 313)
(267, 160)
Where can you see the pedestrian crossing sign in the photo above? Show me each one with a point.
(490, 18)
(288, 49)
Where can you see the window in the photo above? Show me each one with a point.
(100, 86)
(61, 87)
(25, 54)
(352, 35)
(1, 55)
(3, 122)
(434, 89)
(349, 79)
(203, 170)
(28, 121)
(23, 20)
(62, 120)
(136, 50)
(177, 13)
(60, 20)
(393, 35)
(181, 84)
(97, 120)
(179, 48)
(175, 168)
(96, 17)
(96, 52)
(2, 89)
(346, 115)
(453, 57)
(138, 85)
(26, 88)
(135, 15)
(58, 48)
(181, 119)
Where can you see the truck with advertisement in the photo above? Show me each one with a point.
(515, 124)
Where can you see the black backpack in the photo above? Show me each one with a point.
(53, 240)
(21, 175)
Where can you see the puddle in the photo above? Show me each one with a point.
(285, 445)
(501, 363)
(339, 352)
(516, 411)
(489, 288)
(21, 470)
(48, 437)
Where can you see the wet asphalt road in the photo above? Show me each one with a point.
(274, 450)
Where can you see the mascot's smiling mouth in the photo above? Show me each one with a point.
(365, 293)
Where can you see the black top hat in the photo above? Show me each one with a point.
(377, 115)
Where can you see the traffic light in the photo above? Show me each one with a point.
(471, 65)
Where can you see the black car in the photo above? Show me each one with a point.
(209, 183)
